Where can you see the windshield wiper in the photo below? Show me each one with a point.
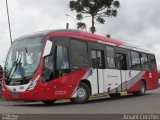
(15, 65)
(18, 64)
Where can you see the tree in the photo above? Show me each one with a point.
(96, 9)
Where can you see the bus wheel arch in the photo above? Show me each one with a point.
(87, 82)
(83, 93)
(142, 88)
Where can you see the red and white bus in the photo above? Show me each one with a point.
(72, 64)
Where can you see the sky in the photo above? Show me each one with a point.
(137, 22)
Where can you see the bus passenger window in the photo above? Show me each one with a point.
(144, 61)
(110, 57)
(121, 61)
(94, 56)
(129, 59)
(79, 54)
(97, 59)
(48, 69)
(62, 61)
(62, 58)
(136, 63)
(153, 62)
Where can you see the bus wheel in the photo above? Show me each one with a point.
(115, 95)
(49, 102)
(83, 94)
(142, 90)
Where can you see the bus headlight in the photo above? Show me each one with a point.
(33, 83)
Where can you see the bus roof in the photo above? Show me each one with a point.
(95, 38)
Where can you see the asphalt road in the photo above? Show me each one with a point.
(150, 103)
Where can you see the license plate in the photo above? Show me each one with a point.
(15, 95)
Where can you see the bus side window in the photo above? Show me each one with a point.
(97, 57)
(79, 54)
(62, 61)
(136, 63)
(62, 58)
(93, 57)
(144, 61)
(48, 73)
(129, 59)
(110, 57)
(153, 62)
(121, 61)
(48, 69)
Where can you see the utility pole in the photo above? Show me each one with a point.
(9, 25)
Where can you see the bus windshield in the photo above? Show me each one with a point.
(23, 58)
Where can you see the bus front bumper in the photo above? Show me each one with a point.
(21, 96)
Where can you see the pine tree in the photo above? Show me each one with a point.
(96, 9)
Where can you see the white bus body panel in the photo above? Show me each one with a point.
(112, 81)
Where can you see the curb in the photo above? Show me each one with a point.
(100, 96)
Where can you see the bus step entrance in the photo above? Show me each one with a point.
(123, 92)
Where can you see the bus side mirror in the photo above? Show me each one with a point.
(48, 48)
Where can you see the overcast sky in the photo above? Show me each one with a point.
(138, 21)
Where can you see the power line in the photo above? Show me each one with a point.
(9, 25)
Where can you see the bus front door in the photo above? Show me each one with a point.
(122, 66)
(98, 65)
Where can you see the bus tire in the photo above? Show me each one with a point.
(49, 102)
(142, 89)
(115, 95)
(83, 93)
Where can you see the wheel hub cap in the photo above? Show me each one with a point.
(81, 93)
